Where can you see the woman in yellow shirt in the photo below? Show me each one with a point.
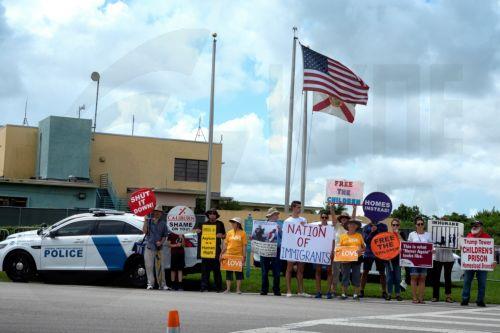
(235, 245)
(353, 268)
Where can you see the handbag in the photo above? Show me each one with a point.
(139, 247)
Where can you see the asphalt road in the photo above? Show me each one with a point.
(37, 307)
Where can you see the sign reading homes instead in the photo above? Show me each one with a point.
(478, 254)
(142, 202)
(344, 192)
(377, 206)
(181, 220)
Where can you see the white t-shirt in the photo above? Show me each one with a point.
(420, 238)
(296, 220)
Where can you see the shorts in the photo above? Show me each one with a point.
(416, 271)
(177, 262)
(379, 264)
(229, 275)
(351, 273)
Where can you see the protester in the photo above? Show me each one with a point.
(418, 274)
(369, 231)
(443, 259)
(272, 263)
(329, 277)
(176, 244)
(340, 227)
(208, 265)
(295, 218)
(476, 232)
(392, 268)
(235, 245)
(155, 229)
(352, 269)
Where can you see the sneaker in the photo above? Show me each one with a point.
(434, 300)
(464, 302)
(399, 298)
(165, 288)
(361, 294)
(149, 287)
(263, 293)
(239, 292)
(328, 295)
(388, 298)
(180, 289)
(335, 294)
(318, 295)
(277, 294)
(481, 304)
(384, 295)
(306, 295)
(226, 291)
(355, 297)
(289, 295)
(344, 297)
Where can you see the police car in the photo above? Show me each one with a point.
(98, 241)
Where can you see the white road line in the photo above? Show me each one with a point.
(401, 328)
(276, 330)
(462, 318)
(447, 322)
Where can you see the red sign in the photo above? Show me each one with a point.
(385, 245)
(416, 255)
(142, 202)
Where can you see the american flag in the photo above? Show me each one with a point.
(330, 77)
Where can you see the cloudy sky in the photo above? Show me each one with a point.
(428, 136)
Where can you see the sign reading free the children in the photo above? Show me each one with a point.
(344, 192)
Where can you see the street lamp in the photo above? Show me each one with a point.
(96, 77)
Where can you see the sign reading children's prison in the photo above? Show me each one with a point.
(478, 254)
(181, 220)
(445, 233)
(208, 241)
(265, 236)
(307, 243)
(142, 202)
(344, 192)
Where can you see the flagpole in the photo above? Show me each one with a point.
(304, 154)
(290, 124)
(208, 193)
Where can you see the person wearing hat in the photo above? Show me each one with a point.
(155, 229)
(272, 263)
(235, 244)
(476, 232)
(352, 269)
(211, 264)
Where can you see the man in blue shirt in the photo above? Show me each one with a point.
(155, 229)
(272, 263)
(369, 231)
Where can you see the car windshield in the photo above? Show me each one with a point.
(55, 225)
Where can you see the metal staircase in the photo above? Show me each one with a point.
(107, 197)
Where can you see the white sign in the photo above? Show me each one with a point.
(477, 254)
(181, 220)
(265, 236)
(344, 192)
(445, 234)
(307, 243)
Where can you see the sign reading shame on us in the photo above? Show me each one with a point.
(344, 192)
(307, 243)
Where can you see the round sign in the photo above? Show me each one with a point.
(142, 202)
(377, 206)
(181, 220)
(386, 245)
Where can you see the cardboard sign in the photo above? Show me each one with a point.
(478, 254)
(142, 202)
(445, 234)
(265, 238)
(181, 220)
(385, 245)
(307, 243)
(231, 263)
(208, 241)
(416, 255)
(377, 206)
(344, 192)
(346, 254)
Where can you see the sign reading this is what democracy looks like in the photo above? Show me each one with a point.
(307, 243)
(344, 192)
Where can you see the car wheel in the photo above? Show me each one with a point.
(136, 273)
(20, 267)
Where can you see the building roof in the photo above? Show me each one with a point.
(277, 206)
(48, 182)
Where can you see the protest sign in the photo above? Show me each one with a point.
(265, 236)
(478, 254)
(385, 245)
(307, 243)
(231, 263)
(377, 206)
(142, 202)
(445, 234)
(346, 253)
(416, 255)
(181, 220)
(344, 192)
(208, 242)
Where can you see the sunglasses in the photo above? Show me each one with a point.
(324, 217)
(395, 225)
(420, 224)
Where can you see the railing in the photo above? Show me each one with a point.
(105, 182)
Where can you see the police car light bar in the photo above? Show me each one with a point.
(103, 212)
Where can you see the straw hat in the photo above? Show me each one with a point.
(343, 215)
(353, 221)
(159, 208)
(271, 211)
(237, 220)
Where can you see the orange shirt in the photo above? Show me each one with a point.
(235, 242)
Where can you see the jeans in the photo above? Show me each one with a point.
(393, 273)
(153, 261)
(208, 265)
(274, 264)
(481, 285)
(436, 277)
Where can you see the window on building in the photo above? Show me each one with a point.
(13, 201)
(190, 170)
